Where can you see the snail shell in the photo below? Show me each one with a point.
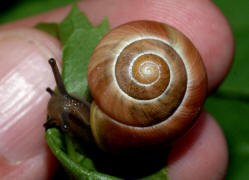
(148, 82)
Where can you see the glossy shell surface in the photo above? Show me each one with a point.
(148, 83)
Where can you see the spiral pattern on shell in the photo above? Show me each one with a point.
(144, 75)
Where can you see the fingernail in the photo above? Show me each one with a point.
(24, 76)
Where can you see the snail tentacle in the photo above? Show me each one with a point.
(57, 77)
(50, 91)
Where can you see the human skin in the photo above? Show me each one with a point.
(200, 154)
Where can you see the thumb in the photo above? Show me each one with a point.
(24, 77)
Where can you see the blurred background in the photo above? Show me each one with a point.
(229, 104)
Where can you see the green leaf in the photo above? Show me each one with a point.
(74, 21)
(50, 28)
(162, 174)
(55, 141)
(76, 54)
(79, 38)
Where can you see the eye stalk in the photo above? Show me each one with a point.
(57, 77)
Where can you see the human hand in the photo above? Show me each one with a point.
(25, 74)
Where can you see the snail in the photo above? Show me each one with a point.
(148, 83)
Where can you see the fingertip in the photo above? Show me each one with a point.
(201, 154)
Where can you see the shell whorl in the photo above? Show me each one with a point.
(142, 74)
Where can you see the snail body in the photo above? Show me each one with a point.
(148, 83)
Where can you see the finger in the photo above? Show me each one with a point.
(24, 76)
(201, 153)
(199, 20)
